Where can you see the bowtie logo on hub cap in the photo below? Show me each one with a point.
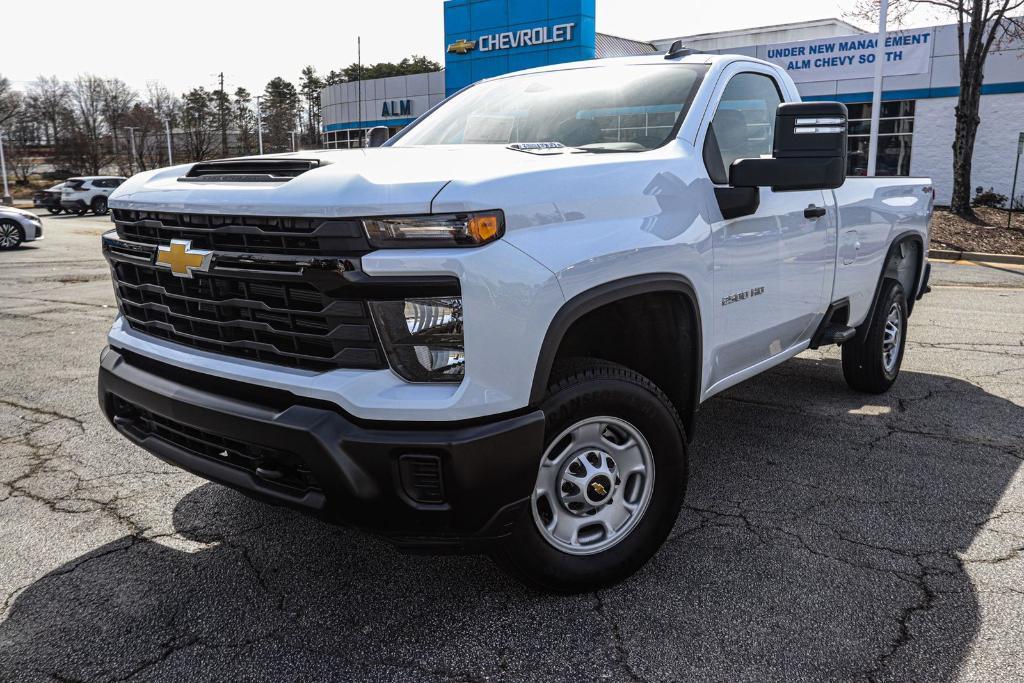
(599, 488)
(182, 259)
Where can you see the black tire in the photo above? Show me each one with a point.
(11, 235)
(581, 389)
(865, 365)
(99, 206)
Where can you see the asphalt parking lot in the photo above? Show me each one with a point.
(827, 535)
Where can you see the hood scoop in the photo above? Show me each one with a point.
(249, 170)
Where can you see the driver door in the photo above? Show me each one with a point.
(771, 267)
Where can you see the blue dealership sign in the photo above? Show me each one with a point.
(485, 38)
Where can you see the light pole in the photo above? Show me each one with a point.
(259, 122)
(294, 148)
(876, 95)
(6, 199)
(167, 132)
(131, 162)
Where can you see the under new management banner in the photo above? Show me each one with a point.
(829, 59)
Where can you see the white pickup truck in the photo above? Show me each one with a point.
(492, 332)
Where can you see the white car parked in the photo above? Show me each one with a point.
(493, 332)
(18, 226)
(88, 193)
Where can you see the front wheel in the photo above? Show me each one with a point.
(609, 484)
(99, 206)
(872, 359)
(10, 235)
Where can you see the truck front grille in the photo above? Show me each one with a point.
(284, 321)
(245, 234)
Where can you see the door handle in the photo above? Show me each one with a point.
(813, 211)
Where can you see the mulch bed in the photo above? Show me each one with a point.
(989, 235)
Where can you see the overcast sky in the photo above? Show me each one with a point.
(186, 43)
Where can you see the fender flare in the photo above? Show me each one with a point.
(609, 292)
(889, 271)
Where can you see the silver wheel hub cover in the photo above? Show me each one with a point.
(593, 486)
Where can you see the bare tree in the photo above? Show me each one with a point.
(22, 145)
(10, 101)
(118, 99)
(48, 101)
(982, 25)
(166, 107)
(88, 149)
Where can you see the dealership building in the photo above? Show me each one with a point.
(828, 59)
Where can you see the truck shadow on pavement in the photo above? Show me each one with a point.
(827, 535)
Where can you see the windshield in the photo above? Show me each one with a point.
(606, 108)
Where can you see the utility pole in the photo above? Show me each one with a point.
(359, 84)
(223, 117)
(167, 130)
(131, 161)
(6, 199)
(876, 95)
(294, 148)
(259, 122)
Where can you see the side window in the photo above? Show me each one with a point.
(744, 123)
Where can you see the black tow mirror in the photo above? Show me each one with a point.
(377, 136)
(809, 150)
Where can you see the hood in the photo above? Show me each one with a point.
(348, 183)
(20, 212)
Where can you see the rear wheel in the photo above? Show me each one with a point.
(10, 235)
(609, 484)
(872, 359)
(99, 206)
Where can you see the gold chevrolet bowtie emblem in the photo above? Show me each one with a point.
(461, 47)
(182, 259)
(598, 487)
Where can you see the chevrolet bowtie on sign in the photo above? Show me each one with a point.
(182, 259)
(461, 47)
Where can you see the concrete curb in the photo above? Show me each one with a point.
(951, 255)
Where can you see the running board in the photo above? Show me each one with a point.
(834, 328)
(836, 334)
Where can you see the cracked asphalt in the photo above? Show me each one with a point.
(828, 535)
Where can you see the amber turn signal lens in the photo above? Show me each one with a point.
(483, 227)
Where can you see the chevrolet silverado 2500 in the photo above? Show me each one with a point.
(493, 331)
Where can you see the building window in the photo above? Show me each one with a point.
(895, 134)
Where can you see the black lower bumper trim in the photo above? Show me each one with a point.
(307, 456)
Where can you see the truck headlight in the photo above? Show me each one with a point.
(436, 230)
(423, 337)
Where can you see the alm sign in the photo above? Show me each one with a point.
(827, 59)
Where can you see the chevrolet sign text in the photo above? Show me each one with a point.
(558, 33)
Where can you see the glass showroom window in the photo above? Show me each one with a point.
(895, 133)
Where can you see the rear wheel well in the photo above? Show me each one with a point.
(904, 264)
(655, 334)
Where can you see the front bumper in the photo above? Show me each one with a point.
(421, 484)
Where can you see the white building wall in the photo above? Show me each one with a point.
(340, 103)
(995, 149)
(784, 33)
